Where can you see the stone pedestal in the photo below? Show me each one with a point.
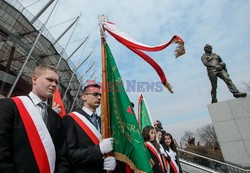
(231, 120)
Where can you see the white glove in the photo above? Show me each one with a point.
(106, 145)
(109, 163)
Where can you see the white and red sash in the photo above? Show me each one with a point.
(156, 153)
(40, 140)
(173, 164)
(87, 126)
(138, 48)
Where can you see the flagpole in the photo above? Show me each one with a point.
(73, 74)
(148, 112)
(105, 111)
(78, 90)
(104, 90)
(139, 110)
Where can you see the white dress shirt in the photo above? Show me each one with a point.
(36, 100)
(90, 113)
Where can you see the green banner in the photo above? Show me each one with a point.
(144, 115)
(128, 142)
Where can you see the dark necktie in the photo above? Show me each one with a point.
(44, 111)
(94, 120)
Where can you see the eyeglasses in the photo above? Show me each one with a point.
(94, 94)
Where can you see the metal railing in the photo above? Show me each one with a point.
(189, 165)
(210, 163)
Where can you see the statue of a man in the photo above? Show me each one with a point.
(217, 68)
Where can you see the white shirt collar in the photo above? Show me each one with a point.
(36, 100)
(87, 110)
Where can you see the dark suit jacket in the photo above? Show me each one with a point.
(16, 155)
(84, 155)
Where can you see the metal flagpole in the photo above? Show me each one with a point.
(41, 11)
(72, 53)
(60, 59)
(77, 48)
(72, 106)
(84, 60)
(75, 21)
(92, 74)
(71, 78)
(84, 85)
(66, 30)
(31, 50)
(87, 71)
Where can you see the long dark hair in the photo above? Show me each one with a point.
(172, 144)
(146, 136)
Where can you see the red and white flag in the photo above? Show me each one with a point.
(57, 103)
(137, 48)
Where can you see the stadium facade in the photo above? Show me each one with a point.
(18, 33)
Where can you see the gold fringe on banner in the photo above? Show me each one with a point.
(124, 158)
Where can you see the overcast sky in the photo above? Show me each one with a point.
(224, 24)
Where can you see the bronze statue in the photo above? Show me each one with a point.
(217, 68)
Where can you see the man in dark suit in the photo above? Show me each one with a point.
(85, 148)
(31, 136)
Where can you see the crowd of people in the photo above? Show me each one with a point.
(162, 149)
(34, 138)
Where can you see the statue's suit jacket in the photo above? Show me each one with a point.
(84, 155)
(16, 155)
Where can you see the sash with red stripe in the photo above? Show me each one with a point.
(164, 161)
(87, 127)
(37, 134)
(173, 164)
(156, 153)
